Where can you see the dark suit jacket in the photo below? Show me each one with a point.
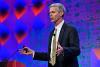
(69, 40)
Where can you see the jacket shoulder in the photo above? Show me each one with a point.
(69, 27)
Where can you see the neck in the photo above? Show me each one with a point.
(58, 21)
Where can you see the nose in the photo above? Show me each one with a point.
(50, 14)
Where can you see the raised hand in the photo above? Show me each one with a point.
(59, 49)
(26, 51)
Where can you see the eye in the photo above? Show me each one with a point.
(53, 11)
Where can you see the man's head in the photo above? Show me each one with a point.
(56, 12)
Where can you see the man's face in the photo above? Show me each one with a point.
(54, 14)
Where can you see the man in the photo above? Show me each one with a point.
(63, 46)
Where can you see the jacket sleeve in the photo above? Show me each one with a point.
(41, 56)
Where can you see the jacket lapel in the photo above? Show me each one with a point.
(61, 34)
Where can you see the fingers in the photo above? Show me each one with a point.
(58, 52)
(59, 49)
(58, 46)
(25, 50)
(57, 42)
(21, 51)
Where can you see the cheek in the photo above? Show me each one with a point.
(56, 16)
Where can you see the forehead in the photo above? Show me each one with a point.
(53, 8)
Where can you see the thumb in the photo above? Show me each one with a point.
(58, 43)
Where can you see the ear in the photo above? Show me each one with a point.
(61, 13)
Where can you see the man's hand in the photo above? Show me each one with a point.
(26, 51)
(59, 49)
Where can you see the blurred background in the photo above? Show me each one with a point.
(27, 23)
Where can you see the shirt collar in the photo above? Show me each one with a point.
(59, 25)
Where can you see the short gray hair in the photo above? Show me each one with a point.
(60, 6)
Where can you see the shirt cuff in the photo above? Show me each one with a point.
(33, 54)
